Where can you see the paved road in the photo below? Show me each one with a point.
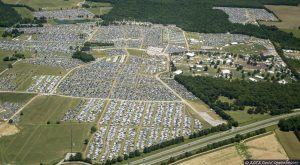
(155, 158)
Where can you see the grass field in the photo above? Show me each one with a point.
(243, 118)
(42, 109)
(296, 32)
(4, 53)
(3, 64)
(98, 4)
(290, 143)
(38, 142)
(46, 4)
(98, 54)
(289, 15)
(100, 10)
(25, 72)
(15, 97)
(137, 52)
(244, 49)
(24, 12)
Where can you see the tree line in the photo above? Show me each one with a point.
(265, 96)
(291, 124)
(85, 57)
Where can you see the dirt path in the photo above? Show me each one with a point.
(203, 115)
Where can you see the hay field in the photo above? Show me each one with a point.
(289, 15)
(266, 147)
(224, 156)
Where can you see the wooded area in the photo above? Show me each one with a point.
(8, 15)
(265, 96)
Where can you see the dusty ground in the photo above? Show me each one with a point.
(289, 15)
(225, 156)
(8, 129)
(266, 147)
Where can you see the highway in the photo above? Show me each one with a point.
(166, 154)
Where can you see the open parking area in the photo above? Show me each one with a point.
(127, 126)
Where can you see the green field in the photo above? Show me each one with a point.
(98, 54)
(296, 32)
(290, 143)
(243, 118)
(38, 142)
(24, 12)
(3, 64)
(15, 97)
(4, 53)
(100, 10)
(42, 109)
(244, 49)
(24, 73)
(97, 4)
(46, 4)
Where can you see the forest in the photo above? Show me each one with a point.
(83, 56)
(267, 97)
(8, 15)
(198, 16)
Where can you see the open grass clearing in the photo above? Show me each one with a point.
(243, 118)
(15, 97)
(40, 142)
(45, 4)
(47, 108)
(25, 72)
(289, 142)
(4, 53)
(289, 16)
(226, 99)
(137, 52)
(244, 49)
(98, 4)
(296, 32)
(100, 10)
(98, 53)
(24, 12)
